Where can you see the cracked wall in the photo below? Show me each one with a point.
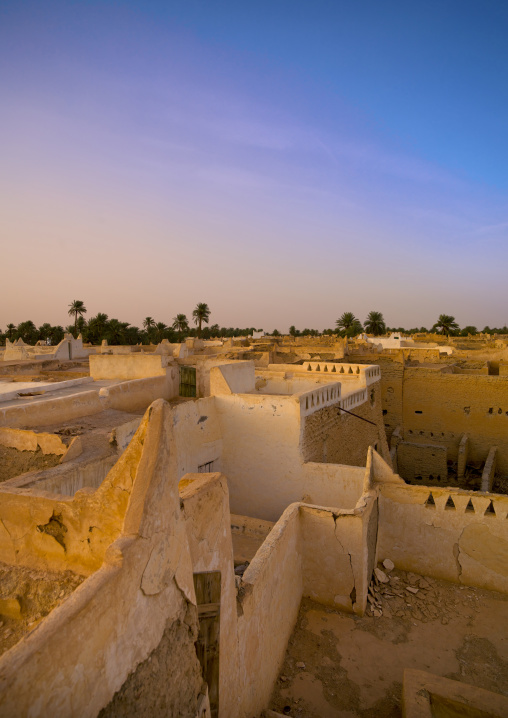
(461, 536)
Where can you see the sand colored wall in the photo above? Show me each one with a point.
(455, 544)
(263, 460)
(453, 405)
(237, 378)
(269, 600)
(261, 456)
(51, 411)
(331, 435)
(272, 382)
(336, 555)
(55, 533)
(82, 654)
(138, 394)
(330, 484)
(30, 441)
(422, 462)
(127, 366)
(312, 552)
(66, 480)
(195, 437)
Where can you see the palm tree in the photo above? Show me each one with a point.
(349, 324)
(446, 324)
(10, 331)
(161, 328)
(180, 323)
(149, 324)
(77, 308)
(45, 331)
(375, 324)
(97, 327)
(201, 314)
(27, 331)
(116, 331)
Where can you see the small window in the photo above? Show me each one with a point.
(418, 411)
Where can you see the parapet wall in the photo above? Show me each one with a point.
(51, 411)
(459, 536)
(127, 366)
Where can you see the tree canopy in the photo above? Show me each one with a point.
(76, 308)
(201, 315)
(375, 324)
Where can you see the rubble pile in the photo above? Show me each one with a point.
(406, 595)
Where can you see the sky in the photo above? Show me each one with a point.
(283, 161)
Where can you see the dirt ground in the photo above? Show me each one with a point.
(26, 596)
(14, 462)
(342, 666)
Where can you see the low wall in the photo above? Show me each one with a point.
(234, 378)
(45, 388)
(68, 479)
(338, 554)
(330, 484)
(313, 552)
(51, 411)
(127, 366)
(269, 600)
(138, 394)
(24, 440)
(459, 536)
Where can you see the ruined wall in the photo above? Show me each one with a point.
(443, 407)
(135, 606)
(144, 693)
(332, 436)
(422, 462)
(333, 556)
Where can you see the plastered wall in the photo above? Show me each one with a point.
(127, 366)
(452, 542)
(137, 394)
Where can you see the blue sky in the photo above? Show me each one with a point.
(282, 161)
